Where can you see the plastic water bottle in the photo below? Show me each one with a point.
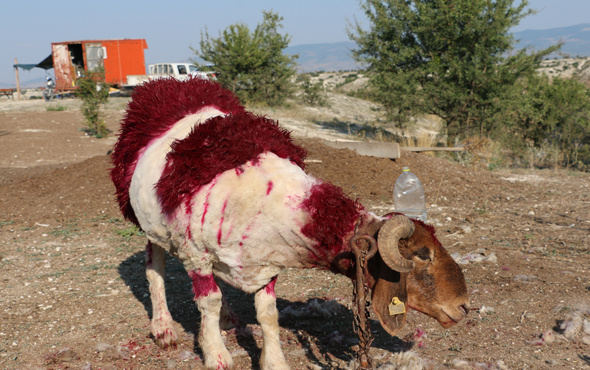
(408, 196)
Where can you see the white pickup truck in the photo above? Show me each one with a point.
(180, 71)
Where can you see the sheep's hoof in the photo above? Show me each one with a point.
(163, 333)
(166, 339)
(220, 362)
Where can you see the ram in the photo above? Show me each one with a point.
(225, 191)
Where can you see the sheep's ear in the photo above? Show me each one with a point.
(389, 297)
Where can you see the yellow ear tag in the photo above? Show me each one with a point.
(396, 307)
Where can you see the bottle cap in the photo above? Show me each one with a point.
(406, 169)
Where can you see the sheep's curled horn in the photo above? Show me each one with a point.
(394, 229)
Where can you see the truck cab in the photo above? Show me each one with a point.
(180, 71)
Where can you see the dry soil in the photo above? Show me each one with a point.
(73, 292)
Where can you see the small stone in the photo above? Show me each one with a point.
(64, 355)
(101, 347)
(239, 353)
(466, 229)
(486, 310)
(186, 355)
(111, 353)
(460, 364)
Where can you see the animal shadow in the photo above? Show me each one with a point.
(322, 327)
(358, 129)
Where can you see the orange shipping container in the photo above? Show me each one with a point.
(119, 58)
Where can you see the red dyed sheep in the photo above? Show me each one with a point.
(225, 191)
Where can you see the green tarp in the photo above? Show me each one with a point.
(46, 64)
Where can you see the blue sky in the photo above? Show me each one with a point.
(27, 28)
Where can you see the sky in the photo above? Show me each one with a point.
(27, 28)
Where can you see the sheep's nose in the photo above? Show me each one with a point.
(465, 308)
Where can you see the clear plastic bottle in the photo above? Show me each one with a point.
(408, 196)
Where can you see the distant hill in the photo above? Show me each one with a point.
(28, 84)
(576, 39)
(334, 56)
(337, 56)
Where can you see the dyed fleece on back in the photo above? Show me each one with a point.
(219, 144)
(155, 107)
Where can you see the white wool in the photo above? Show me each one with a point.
(572, 326)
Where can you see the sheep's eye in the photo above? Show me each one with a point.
(423, 254)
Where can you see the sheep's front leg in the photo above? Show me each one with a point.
(268, 317)
(161, 325)
(209, 301)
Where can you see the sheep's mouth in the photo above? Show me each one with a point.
(453, 319)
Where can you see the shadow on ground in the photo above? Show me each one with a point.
(363, 131)
(330, 335)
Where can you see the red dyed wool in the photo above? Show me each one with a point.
(155, 107)
(333, 216)
(217, 145)
(270, 287)
(203, 285)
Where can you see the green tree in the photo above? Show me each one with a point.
(252, 64)
(93, 90)
(548, 113)
(451, 58)
(312, 93)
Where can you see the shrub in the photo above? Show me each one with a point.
(93, 90)
(313, 93)
(55, 108)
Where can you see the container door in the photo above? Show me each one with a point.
(94, 56)
(63, 67)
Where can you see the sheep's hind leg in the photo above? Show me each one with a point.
(209, 301)
(268, 317)
(161, 325)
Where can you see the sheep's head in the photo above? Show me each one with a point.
(414, 268)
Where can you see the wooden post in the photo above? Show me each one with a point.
(17, 79)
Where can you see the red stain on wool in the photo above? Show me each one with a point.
(206, 205)
(269, 188)
(219, 231)
(203, 285)
(270, 287)
(217, 145)
(154, 108)
(333, 216)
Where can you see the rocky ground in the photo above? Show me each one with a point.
(73, 293)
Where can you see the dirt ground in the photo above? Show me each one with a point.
(73, 292)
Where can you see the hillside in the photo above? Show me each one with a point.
(337, 56)
(576, 39)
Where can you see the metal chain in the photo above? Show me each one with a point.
(360, 293)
